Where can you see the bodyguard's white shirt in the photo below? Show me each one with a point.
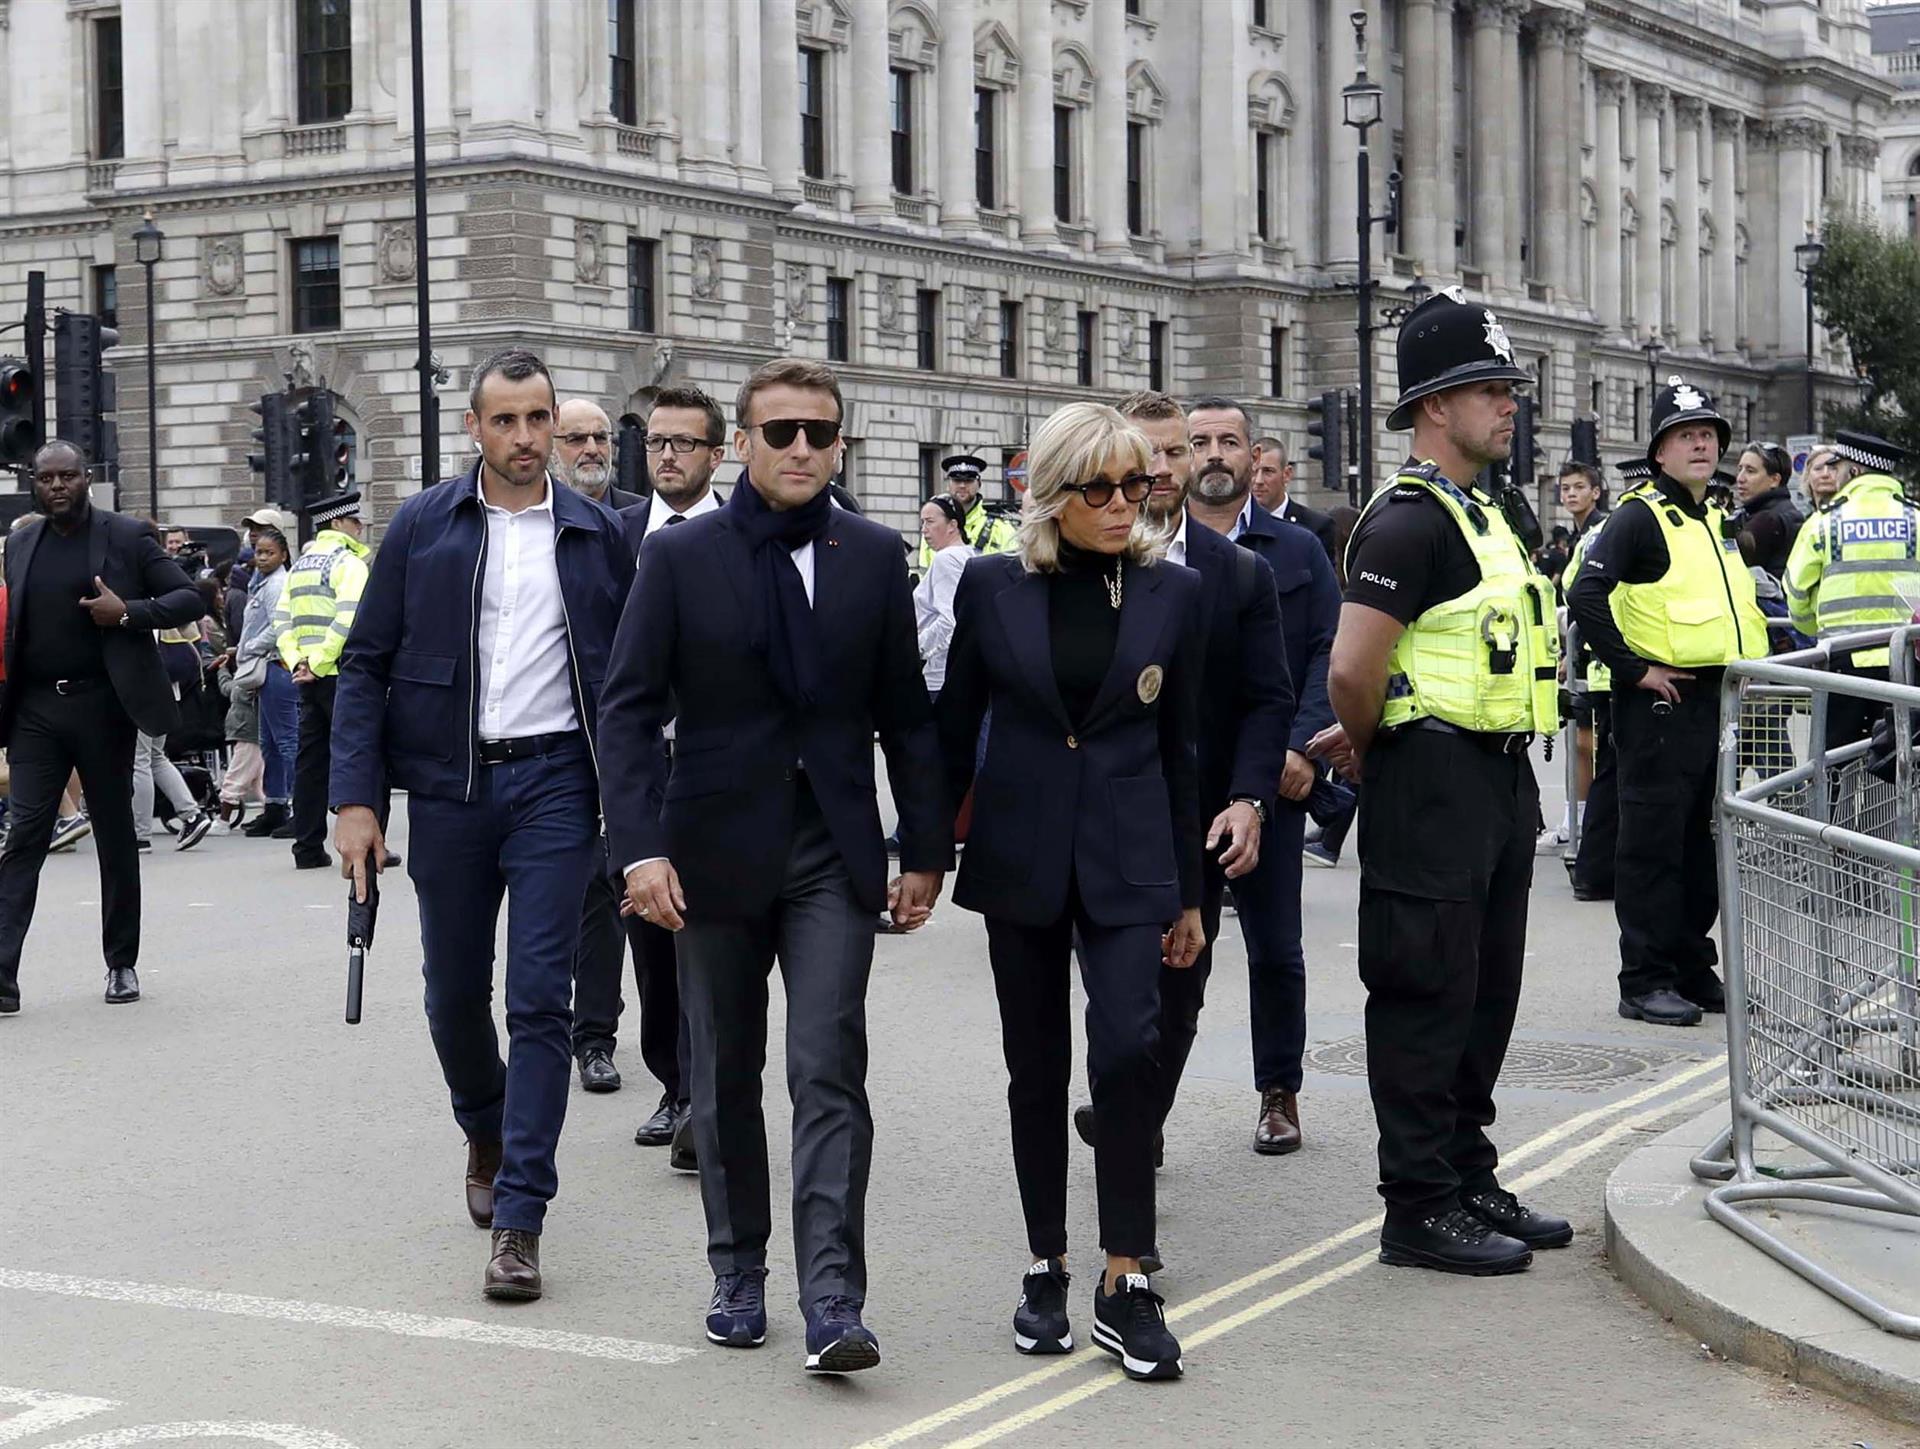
(660, 513)
(1177, 550)
(525, 683)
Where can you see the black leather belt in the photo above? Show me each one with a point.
(526, 747)
(77, 686)
(1499, 744)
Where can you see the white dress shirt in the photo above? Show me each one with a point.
(1241, 523)
(933, 610)
(525, 679)
(1177, 549)
(660, 512)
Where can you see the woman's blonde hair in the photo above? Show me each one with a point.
(1076, 445)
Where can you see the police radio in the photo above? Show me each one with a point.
(1520, 516)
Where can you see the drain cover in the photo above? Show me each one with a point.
(1544, 1065)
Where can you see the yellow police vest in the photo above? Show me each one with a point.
(1703, 611)
(1599, 677)
(1486, 660)
(1849, 564)
(984, 532)
(317, 607)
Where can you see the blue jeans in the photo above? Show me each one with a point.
(528, 834)
(279, 732)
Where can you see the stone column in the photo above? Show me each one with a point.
(1797, 145)
(1512, 106)
(1446, 126)
(749, 95)
(1036, 125)
(1225, 194)
(662, 109)
(1573, 77)
(1559, 217)
(143, 41)
(1610, 90)
(959, 208)
(1688, 112)
(1109, 150)
(1650, 100)
(1726, 125)
(1338, 206)
(868, 94)
(1420, 194)
(780, 97)
(1492, 135)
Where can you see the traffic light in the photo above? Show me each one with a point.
(303, 428)
(630, 457)
(1586, 441)
(18, 436)
(83, 388)
(274, 460)
(1329, 433)
(326, 449)
(1523, 459)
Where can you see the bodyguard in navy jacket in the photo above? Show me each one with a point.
(472, 680)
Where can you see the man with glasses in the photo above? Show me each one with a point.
(779, 631)
(583, 453)
(686, 441)
(86, 589)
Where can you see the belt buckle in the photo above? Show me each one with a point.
(64, 688)
(1517, 744)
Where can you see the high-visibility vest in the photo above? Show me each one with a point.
(1599, 677)
(984, 532)
(1487, 660)
(1848, 564)
(1702, 612)
(317, 606)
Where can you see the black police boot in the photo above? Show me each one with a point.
(1660, 1008)
(1707, 993)
(1451, 1240)
(1505, 1213)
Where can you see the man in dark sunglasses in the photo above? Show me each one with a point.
(782, 630)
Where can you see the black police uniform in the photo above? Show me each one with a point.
(1666, 882)
(1443, 911)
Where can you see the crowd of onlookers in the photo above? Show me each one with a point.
(228, 769)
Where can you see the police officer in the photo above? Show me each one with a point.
(985, 532)
(1665, 601)
(314, 616)
(1850, 565)
(1593, 872)
(1444, 669)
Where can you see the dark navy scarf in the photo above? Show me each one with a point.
(782, 620)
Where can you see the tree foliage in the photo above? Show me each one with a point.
(1866, 290)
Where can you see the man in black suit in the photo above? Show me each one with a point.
(1272, 482)
(86, 589)
(782, 630)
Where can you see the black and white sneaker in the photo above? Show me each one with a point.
(1131, 1324)
(193, 830)
(1040, 1322)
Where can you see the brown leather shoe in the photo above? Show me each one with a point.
(514, 1273)
(1278, 1131)
(483, 1164)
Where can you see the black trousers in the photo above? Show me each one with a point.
(54, 735)
(1446, 864)
(1600, 823)
(311, 765)
(1121, 969)
(605, 938)
(1667, 891)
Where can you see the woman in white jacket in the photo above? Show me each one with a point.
(940, 525)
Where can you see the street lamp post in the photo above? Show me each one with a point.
(1653, 349)
(1806, 261)
(1361, 105)
(1417, 292)
(149, 246)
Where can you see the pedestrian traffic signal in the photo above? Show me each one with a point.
(324, 444)
(1586, 442)
(18, 436)
(274, 460)
(83, 392)
(1329, 433)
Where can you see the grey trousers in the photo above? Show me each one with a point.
(823, 941)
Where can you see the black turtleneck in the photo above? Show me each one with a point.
(56, 638)
(1631, 549)
(1082, 625)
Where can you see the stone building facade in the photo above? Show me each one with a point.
(1896, 53)
(977, 208)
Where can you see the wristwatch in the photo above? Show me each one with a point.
(125, 618)
(1259, 806)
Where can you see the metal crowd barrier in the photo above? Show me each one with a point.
(1820, 925)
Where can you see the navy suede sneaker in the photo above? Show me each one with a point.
(737, 1317)
(837, 1341)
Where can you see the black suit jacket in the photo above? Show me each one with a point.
(1113, 803)
(726, 803)
(158, 594)
(1320, 525)
(1309, 614)
(1246, 700)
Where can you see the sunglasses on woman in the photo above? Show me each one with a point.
(1134, 488)
(780, 432)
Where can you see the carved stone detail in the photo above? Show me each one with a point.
(395, 252)
(706, 268)
(589, 252)
(223, 266)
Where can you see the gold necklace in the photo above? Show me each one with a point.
(1114, 585)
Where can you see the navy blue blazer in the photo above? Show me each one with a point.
(1246, 700)
(404, 713)
(1309, 613)
(1114, 803)
(725, 806)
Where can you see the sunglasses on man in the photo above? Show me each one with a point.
(780, 432)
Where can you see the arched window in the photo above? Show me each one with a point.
(1913, 164)
(1270, 113)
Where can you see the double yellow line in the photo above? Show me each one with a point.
(1110, 1376)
